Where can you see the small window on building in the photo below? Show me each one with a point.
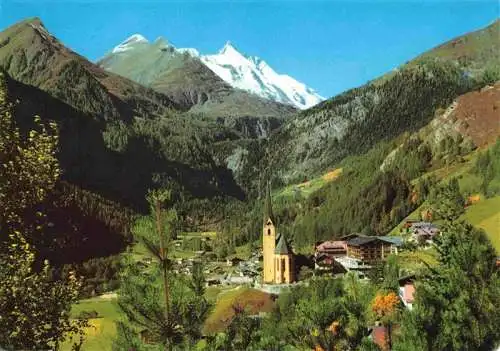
(269, 231)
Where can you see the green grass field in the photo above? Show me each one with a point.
(188, 235)
(139, 251)
(413, 260)
(306, 188)
(468, 183)
(100, 335)
(242, 252)
(486, 215)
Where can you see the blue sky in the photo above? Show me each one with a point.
(329, 45)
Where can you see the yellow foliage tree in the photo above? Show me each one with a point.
(34, 309)
(385, 307)
(28, 166)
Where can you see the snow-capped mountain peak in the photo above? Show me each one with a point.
(128, 43)
(253, 74)
(161, 42)
(229, 49)
(230, 55)
(191, 51)
(249, 73)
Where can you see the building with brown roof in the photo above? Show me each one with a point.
(372, 249)
(332, 248)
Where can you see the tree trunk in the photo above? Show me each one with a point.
(163, 258)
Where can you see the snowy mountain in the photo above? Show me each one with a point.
(130, 43)
(181, 75)
(252, 74)
(248, 73)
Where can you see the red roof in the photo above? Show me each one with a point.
(330, 245)
(379, 336)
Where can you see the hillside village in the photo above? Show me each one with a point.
(355, 253)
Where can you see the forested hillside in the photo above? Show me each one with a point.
(404, 100)
(429, 114)
(118, 138)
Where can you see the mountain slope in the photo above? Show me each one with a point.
(476, 51)
(31, 55)
(186, 80)
(402, 100)
(121, 161)
(117, 138)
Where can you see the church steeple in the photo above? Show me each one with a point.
(268, 208)
(282, 247)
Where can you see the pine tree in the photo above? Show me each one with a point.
(163, 310)
(447, 202)
(457, 304)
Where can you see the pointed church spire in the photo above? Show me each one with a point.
(268, 209)
(282, 248)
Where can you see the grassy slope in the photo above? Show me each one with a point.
(306, 188)
(103, 330)
(486, 215)
(100, 335)
(478, 49)
(412, 260)
(468, 183)
(254, 301)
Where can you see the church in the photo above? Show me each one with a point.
(278, 257)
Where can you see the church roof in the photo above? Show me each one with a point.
(282, 247)
(268, 208)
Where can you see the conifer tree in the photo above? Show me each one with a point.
(163, 309)
(447, 202)
(457, 305)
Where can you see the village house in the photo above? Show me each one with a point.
(379, 335)
(355, 251)
(233, 261)
(364, 248)
(331, 248)
(326, 252)
(323, 262)
(407, 290)
(421, 231)
(391, 244)
(383, 335)
(372, 249)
